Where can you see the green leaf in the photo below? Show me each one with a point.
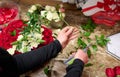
(13, 33)
(94, 47)
(81, 44)
(89, 40)
(102, 40)
(46, 70)
(101, 65)
(40, 41)
(89, 53)
(87, 34)
(88, 64)
(89, 26)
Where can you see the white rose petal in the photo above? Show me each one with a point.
(31, 11)
(34, 44)
(55, 15)
(42, 29)
(20, 37)
(38, 36)
(24, 43)
(47, 8)
(52, 9)
(43, 13)
(33, 8)
(63, 15)
(57, 20)
(49, 16)
(12, 50)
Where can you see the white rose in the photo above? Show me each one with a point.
(20, 37)
(43, 13)
(38, 36)
(12, 50)
(42, 29)
(47, 8)
(31, 11)
(49, 16)
(24, 43)
(52, 9)
(56, 17)
(57, 20)
(33, 8)
(29, 35)
(63, 15)
(34, 44)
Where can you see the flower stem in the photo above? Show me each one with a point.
(66, 22)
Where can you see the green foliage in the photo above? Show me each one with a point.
(81, 43)
(89, 26)
(13, 33)
(88, 64)
(94, 47)
(87, 34)
(89, 53)
(102, 40)
(46, 70)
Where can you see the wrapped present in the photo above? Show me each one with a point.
(93, 6)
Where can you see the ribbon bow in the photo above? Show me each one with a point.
(106, 5)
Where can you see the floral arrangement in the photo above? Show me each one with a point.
(113, 72)
(49, 13)
(23, 36)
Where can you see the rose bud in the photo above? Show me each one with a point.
(110, 72)
(117, 71)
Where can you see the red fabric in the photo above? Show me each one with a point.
(106, 18)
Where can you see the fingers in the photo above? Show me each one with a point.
(69, 32)
(73, 37)
(74, 34)
(65, 29)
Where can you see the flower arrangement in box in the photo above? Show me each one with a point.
(23, 36)
(52, 16)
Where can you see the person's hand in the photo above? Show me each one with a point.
(80, 54)
(67, 34)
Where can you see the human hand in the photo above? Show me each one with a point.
(80, 54)
(67, 34)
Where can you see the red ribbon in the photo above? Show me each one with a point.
(104, 5)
